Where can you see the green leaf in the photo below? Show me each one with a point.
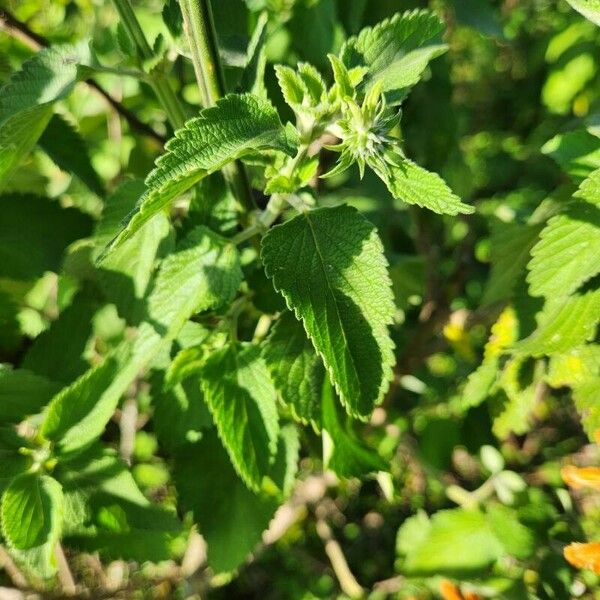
(414, 185)
(241, 397)
(237, 125)
(18, 135)
(590, 9)
(396, 51)
(518, 540)
(575, 366)
(180, 414)
(202, 274)
(589, 190)
(458, 542)
(329, 266)
(30, 247)
(31, 511)
(71, 333)
(23, 393)
(295, 367)
(230, 516)
(65, 146)
(343, 452)
(511, 244)
(106, 512)
(253, 75)
(26, 100)
(585, 396)
(576, 152)
(563, 324)
(568, 253)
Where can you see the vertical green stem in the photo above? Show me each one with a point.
(202, 38)
(159, 82)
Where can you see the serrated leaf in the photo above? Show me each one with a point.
(563, 324)
(329, 266)
(396, 51)
(237, 125)
(65, 146)
(585, 396)
(32, 515)
(568, 253)
(511, 244)
(296, 368)
(23, 393)
(589, 190)
(343, 452)
(230, 516)
(414, 185)
(590, 9)
(202, 274)
(241, 397)
(30, 247)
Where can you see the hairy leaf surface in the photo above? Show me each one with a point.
(237, 125)
(329, 266)
(242, 400)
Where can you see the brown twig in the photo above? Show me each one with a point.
(15, 575)
(19, 31)
(65, 576)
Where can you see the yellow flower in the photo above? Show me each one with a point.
(584, 556)
(578, 478)
(450, 591)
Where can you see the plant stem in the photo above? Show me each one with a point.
(202, 38)
(159, 82)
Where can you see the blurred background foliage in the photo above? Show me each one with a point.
(496, 117)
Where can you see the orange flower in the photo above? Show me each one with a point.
(450, 591)
(578, 478)
(597, 435)
(584, 556)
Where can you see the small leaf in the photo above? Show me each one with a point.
(329, 266)
(396, 51)
(576, 152)
(585, 396)
(414, 185)
(242, 400)
(296, 368)
(237, 125)
(32, 511)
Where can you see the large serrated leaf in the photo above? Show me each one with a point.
(202, 274)
(237, 125)
(241, 397)
(396, 51)
(329, 266)
(296, 368)
(568, 253)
